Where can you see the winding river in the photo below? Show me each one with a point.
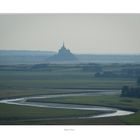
(108, 111)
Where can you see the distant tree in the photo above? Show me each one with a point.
(125, 90)
(97, 74)
(138, 81)
(39, 66)
(92, 68)
(130, 92)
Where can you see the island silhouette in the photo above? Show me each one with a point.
(63, 55)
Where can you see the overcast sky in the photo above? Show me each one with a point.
(82, 33)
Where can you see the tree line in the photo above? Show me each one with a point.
(130, 91)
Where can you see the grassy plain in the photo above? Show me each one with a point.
(103, 100)
(20, 83)
(14, 114)
(61, 79)
(126, 103)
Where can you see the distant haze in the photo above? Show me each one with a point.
(82, 33)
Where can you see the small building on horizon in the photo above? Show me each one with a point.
(63, 55)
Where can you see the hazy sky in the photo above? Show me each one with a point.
(82, 33)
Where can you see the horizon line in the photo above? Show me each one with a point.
(74, 53)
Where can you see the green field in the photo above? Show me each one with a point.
(13, 114)
(20, 81)
(104, 100)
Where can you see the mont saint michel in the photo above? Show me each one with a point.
(63, 55)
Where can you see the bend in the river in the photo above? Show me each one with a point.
(108, 111)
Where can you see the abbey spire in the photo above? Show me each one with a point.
(63, 55)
